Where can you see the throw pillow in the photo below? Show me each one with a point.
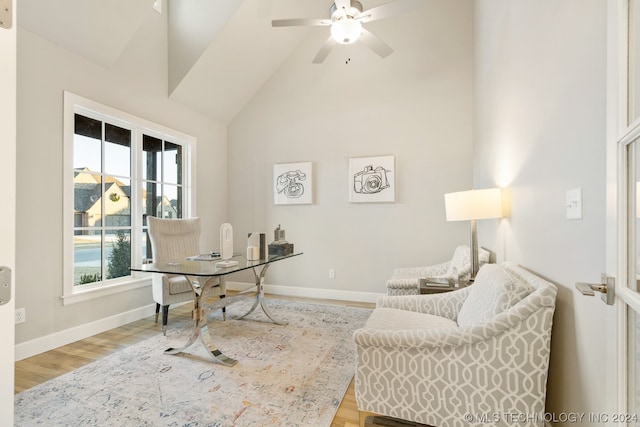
(493, 292)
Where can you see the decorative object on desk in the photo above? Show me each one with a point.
(211, 256)
(280, 246)
(293, 375)
(372, 179)
(293, 183)
(226, 246)
(470, 206)
(259, 241)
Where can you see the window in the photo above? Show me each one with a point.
(119, 169)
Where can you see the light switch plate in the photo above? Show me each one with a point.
(574, 203)
(6, 14)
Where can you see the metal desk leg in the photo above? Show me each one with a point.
(260, 297)
(201, 329)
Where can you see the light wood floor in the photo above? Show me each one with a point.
(42, 367)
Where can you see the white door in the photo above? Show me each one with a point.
(623, 110)
(7, 212)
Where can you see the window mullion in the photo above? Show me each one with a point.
(103, 205)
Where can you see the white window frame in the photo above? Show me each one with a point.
(76, 104)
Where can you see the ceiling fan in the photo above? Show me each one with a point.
(347, 17)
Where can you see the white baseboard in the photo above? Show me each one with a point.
(58, 339)
(318, 293)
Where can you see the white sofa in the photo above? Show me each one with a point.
(481, 351)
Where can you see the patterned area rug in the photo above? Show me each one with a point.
(293, 375)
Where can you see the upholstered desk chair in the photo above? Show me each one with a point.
(173, 240)
(406, 280)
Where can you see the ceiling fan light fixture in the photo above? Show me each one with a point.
(346, 31)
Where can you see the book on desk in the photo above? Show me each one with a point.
(213, 256)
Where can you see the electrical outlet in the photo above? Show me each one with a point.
(332, 273)
(21, 315)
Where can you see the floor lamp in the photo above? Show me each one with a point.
(470, 206)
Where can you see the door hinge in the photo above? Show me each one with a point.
(6, 14)
(5, 285)
(607, 287)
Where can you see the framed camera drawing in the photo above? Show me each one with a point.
(293, 183)
(372, 179)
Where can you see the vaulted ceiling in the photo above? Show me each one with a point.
(222, 50)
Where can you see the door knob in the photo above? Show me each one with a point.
(606, 287)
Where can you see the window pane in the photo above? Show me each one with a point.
(117, 202)
(87, 192)
(152, 158)
(87, 142)
(87, 248)
(633, 203)
(171, 202)
(634, 60)
(118, 253)
(172, 163)
(146, 245)
(150, 200)
(117, 150)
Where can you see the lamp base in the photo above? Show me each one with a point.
(475, 265)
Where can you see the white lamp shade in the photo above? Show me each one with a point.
(473, 204)
(346, 31)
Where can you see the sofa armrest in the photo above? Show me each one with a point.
(450, 337)
(407, 286)
(427, 271)
(445, 304)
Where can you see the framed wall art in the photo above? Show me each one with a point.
(293, 183)
(372, 179)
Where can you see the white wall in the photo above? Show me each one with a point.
(540, 130)
(416, 104)
(136, 84)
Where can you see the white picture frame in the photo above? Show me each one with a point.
(293, 183)
(372, 179)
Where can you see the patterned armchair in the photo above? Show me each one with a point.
(406, 281)
(474, 356)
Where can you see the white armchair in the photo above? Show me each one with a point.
(173, 240)
(481, 350)
(406, 281)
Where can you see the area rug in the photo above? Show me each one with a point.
(291, 375)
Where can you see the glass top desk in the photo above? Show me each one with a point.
(209, 270)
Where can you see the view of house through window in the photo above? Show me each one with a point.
(102, 200)
(123, 172)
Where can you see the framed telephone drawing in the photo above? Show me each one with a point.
(293, 183)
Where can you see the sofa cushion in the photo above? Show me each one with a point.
(393, 319)
(493, 292)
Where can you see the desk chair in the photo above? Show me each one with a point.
(173, 240)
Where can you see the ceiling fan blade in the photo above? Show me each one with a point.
(389, 9)
(374, 43)
(299, 22)
(343, 4)
(324, 50)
